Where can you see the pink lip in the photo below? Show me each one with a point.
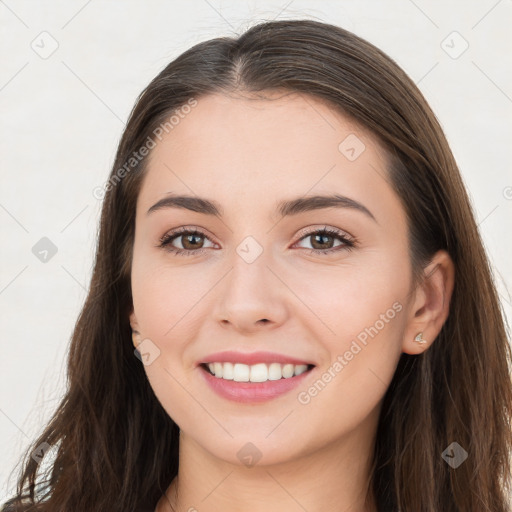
(251, 392)
(250, 358)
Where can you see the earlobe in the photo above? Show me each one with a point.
(135, 338)
(431, 304)
(135, 329)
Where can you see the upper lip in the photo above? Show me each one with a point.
(250, 358)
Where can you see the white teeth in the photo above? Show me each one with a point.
(218, 369)
(287, 371)
(241, 373)
(300, 368)
(274, 371)
(260, 372)
(227, 371)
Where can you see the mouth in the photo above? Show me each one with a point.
(254, 383)
(255, 373)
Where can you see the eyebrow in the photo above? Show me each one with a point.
(284, 208)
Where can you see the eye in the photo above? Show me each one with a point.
(191, 243)
(321, 238)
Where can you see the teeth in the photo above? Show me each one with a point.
(274, 371)
(255, 373)
(227, 371)
(258, 372)
(241, 372)
(287, 371)
(300, 368)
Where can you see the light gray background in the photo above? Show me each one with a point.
(62, 116)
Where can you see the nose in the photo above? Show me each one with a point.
(251, 297)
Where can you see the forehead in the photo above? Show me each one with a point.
(247, 152)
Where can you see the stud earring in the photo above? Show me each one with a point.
(419, 338)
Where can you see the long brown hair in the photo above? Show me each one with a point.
(115, 447)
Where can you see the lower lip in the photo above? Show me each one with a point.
(252, 391)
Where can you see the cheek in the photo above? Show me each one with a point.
(347, 300)
(350, 387)
(162, 296)
(359, 317)
(163, 300)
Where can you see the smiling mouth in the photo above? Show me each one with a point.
(261, 372)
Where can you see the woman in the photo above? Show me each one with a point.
(287, 244)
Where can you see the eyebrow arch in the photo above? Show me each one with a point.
(284, 208)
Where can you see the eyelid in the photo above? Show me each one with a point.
(184, 230)
(321, 227)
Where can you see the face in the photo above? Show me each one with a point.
(322, 284)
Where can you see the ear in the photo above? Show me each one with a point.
(431, 304)
(136, 337)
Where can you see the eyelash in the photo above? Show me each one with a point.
(165, 241)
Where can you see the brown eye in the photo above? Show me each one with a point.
(319, 241)
(191, 241)
(322, 241)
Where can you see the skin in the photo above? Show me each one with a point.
(247, 154)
